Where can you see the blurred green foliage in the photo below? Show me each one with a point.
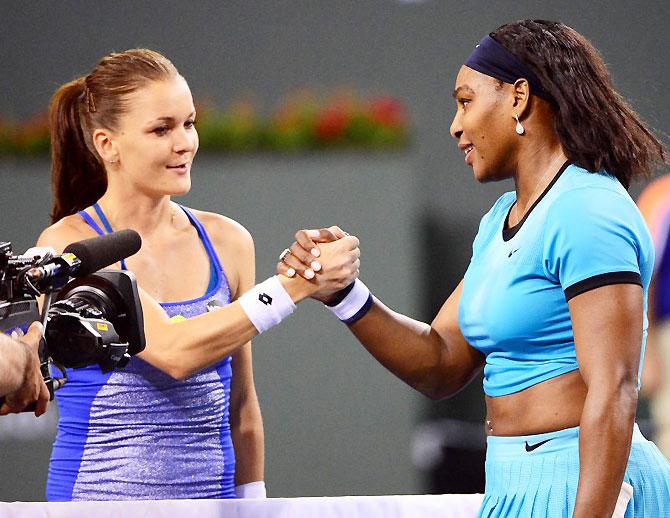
(301, 122)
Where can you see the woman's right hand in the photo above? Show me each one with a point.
(328, 257)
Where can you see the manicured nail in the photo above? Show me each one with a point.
(309, 274)
(316, 266)
(315, 252)
(313, 233)
(290, 272)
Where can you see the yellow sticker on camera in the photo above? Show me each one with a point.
(101, 326)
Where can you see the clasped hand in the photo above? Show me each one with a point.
(328, 257)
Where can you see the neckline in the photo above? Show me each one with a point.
(215, 267)
(509, 232)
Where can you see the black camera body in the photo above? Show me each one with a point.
(93, 319)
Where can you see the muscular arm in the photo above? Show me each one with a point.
(434, 359)
(607, 325)
(182, 348)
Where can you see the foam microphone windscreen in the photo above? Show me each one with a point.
(99, 252)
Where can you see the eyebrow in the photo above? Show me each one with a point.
(462, 88)
(171, 119)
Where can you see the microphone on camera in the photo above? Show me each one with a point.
(99, 252)
(85, 257)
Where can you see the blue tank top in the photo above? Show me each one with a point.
(584, 232)
(137, 433)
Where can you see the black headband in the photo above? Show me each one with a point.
(492, 59)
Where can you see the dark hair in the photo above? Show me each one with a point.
(596, 126)
(78, 176)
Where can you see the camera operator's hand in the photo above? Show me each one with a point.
(32, 389)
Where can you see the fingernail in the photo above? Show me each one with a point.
(313, 233)
(290, 272)
(316, 266)
(316, 252)
(309, 274)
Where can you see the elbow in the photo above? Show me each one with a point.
(175, 366)
(443, 382)
(178, 373)
(171, 364)
(616, 396)
(439, 393)
(435, 387)
(173, 369)
(435, 394)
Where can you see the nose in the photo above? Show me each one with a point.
(185, 140)
(455, 129)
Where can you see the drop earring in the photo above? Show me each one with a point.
(519, 127)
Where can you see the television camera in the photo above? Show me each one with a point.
(90, 315)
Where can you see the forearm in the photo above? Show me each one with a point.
(14, 359)
(605, 434)
(181, 348)
(415, 352)
(249, 444)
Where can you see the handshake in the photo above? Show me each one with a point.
(327, 260)
(328, 257)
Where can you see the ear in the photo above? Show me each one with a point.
(105, 146)
(521, 96)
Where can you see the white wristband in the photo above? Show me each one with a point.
(357, 302)
(266, 304)
(251, 490)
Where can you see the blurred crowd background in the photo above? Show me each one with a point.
(314, 113)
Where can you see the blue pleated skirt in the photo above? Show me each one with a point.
(536, 476)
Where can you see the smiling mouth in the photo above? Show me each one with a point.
(180, 166)
(467, 150)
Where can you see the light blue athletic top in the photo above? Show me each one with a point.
(583, 232)
(138, 434)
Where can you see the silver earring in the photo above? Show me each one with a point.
(519, 127)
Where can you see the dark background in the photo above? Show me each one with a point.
(336, 422)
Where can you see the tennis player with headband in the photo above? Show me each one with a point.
(553, 303)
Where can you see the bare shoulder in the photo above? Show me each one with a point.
(226, 233)
(65, 231)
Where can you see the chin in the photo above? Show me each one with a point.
(487, 175)
(183, 187)
(483, 176)
(182, 192)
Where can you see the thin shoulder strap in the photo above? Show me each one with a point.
(102, 217)
(97, 228)
(91, 222)
(213, 257)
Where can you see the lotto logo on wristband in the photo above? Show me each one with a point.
(276, 304)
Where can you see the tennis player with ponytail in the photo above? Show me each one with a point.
(553, 303)
(182, 419)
